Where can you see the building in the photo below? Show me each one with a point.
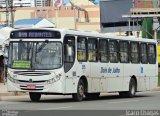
(41, 3)
(81, 15)
(111, 16)
(24, 3)
(2, 3)
(36, 22)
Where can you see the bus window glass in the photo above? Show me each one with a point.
(143, 53)
(69, 52)
(113, 51)
(134, 52)
(81, 49)
(152, 54)
(124, 51)
(92, 49)
(103, 45)
(49, 57)
(69, 49)
(35, 55)
(20, 52)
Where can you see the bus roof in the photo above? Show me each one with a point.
(92, 34)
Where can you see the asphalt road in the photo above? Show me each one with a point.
(142, 101)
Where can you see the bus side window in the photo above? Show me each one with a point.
(113, 51)
(81, 49)
(143, 50)
(69, 52)
(134, 52)
(124, 51)
(152, 53)
(92, 49)
(103, 50)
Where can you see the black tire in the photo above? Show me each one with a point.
(92, 95)
(80, 91)
(35, 97)
(132, 90)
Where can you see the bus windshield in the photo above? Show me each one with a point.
(35, 55)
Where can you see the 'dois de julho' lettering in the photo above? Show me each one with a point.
(110, 70)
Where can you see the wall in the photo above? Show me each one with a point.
(65, 17)
(146, 3)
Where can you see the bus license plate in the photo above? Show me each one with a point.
(31, 86)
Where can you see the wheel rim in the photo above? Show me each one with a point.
(81, 90)
(133, 90)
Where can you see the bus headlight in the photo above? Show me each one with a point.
(12, 79)
(53, 80)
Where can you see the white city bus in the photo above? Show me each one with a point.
(78, 63)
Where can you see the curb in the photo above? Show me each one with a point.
(156, 89)
(13, 94)
(26, 93)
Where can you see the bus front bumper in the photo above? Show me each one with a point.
(35, 87)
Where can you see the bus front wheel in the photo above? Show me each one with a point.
(35, 97)
(80, 91)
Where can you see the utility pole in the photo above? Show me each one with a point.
(12, 12)
(9, 11)
(76, 16)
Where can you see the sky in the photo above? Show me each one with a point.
(95, 1)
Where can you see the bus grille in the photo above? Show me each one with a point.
(25, 81)
(32, 73)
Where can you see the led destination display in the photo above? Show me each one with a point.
(35, 34)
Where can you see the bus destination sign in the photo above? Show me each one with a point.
(34, 34)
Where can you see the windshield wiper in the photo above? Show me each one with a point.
(42, 46)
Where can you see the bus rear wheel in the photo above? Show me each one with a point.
(80, 91)
(132, 89)
(35, 97)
